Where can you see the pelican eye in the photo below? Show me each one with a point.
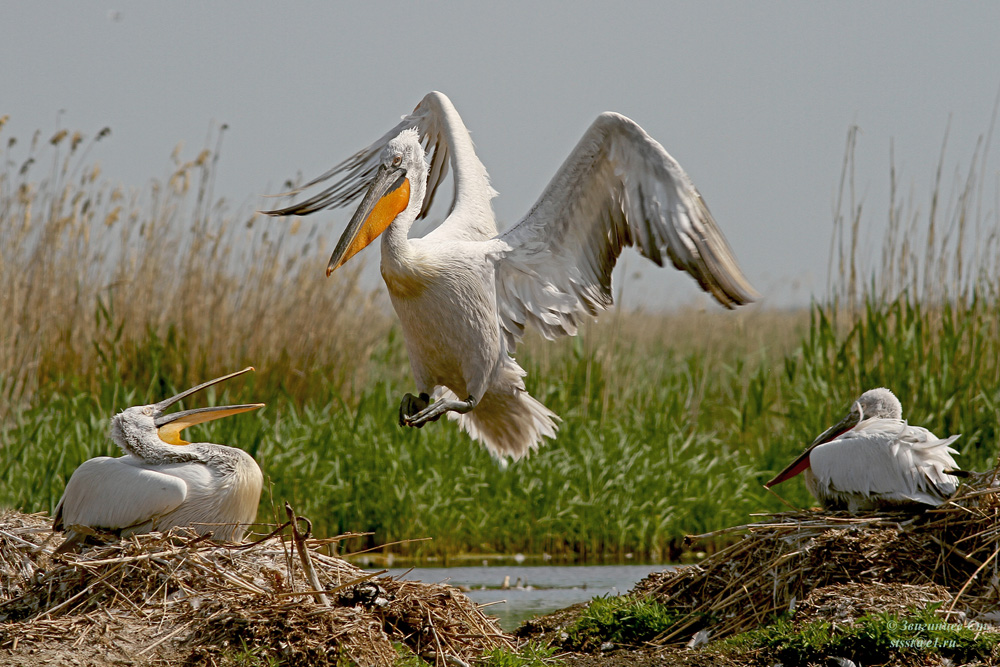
(147, 411)
(396, 160)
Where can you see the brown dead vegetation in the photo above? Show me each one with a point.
(178, 599)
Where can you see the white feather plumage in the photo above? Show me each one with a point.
(158, 485)
(874, 459)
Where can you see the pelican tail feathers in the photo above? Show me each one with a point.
(508, 423)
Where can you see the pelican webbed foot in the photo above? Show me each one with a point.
(434, 411)
(410, 406)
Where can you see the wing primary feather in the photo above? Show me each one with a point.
(618, 187)
(651, 249)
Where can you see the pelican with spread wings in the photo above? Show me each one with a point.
(464, 292)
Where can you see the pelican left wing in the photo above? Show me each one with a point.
(117, 494)
(618, 187)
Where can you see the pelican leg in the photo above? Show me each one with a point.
(410, 406)
(438, 408)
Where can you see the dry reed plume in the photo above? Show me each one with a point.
(88, 270)
(946, 249)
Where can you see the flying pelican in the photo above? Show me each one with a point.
(464, 293)
(873, 459)
(163, 481)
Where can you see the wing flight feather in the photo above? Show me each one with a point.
(618, 188)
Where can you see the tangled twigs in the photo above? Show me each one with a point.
(173, 600)
(784, 557)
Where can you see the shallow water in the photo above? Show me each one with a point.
(534, 589)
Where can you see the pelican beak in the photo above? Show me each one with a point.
(169, 427)
(387, 197)
(802, 462)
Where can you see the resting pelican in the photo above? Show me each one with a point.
(873, 459)
(463, 292)
(163, 481)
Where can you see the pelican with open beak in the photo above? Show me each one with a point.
(464, 292)
(163, 481)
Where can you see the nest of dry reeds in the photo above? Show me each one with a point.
(949, 553)
(179, 599)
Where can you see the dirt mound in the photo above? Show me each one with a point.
(178, 599)
(948, 553)
(845, 603)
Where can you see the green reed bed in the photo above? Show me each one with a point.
(670, 422)
(633, 481)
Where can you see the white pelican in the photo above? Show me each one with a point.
(163, 481)
(873, 459)
(463, 292)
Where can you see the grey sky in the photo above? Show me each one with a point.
(753, 99)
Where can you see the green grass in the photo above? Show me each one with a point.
(621, 620)
(671, 423)
(352, 469)
(531, 654)
(873, 639)
(633, 470)
(246, 656)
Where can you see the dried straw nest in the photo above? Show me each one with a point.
(946, 554)
(177, 599)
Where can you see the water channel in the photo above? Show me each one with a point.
(532, 590)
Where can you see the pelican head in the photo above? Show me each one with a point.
(401, 164)
(877, 403)
(150, 419)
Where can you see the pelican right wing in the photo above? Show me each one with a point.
(618, 188)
